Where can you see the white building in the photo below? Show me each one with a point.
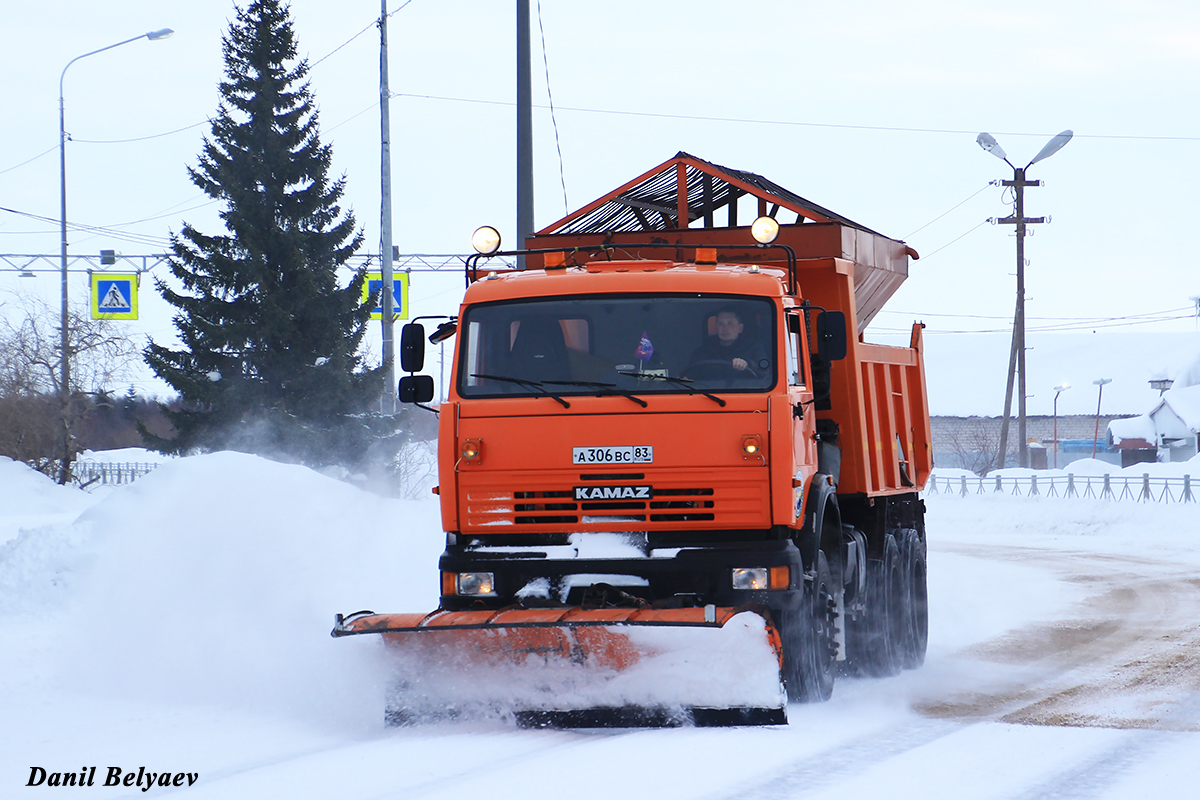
(1171, 427)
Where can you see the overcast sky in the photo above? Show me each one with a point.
(868, 108)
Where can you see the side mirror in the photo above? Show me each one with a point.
(412, 347)
(831, 335)
(416, 389)
(443, 332)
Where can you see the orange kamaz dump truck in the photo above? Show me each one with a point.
(676, 485)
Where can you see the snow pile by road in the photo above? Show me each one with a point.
(215, 579)
(125, 455)
(1086, 467)
(27, 496)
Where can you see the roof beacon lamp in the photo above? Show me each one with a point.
(764, 230)
(485, 240)
(1016, 359)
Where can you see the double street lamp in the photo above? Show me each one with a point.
(1062, 387)
(64, 344)
(1101, 382)
(1016, 359)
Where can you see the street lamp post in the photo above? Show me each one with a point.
(1062, 387)
(64, 345)
(1016, 360)
(1100, 396)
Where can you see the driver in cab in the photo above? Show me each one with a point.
(726, 354)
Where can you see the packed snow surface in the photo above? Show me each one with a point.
(181, 625)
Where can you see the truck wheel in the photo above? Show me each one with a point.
(809, 644)
(824, 629)
(880, 648)
(916, 638)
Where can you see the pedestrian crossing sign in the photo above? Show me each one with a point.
(114, 296)
(374, 283)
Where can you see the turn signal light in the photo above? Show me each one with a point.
(751, 445)
(781, 577)
(472, 449)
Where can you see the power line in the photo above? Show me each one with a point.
(952, 241)
(1046, 329)
(28, 160)
(140, 138)
(1052, 319)
(370, 25)
(136, 238)
(935, 219)
(553, 121)
(205, 121)
(752, 121)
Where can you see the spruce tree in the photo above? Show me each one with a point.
(270, 360)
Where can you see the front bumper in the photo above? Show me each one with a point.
(689, 575)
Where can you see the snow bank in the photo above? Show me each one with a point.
(28, 499)
(215, 579)
(1084, 467)
(25, 491)
(125, 455)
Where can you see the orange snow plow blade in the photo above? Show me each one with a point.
(582, 667)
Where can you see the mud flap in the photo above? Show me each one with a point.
(577, 667)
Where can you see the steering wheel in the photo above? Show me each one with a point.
(726, 365)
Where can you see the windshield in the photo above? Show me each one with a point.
(640, 344)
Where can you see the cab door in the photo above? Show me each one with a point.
(802, 416)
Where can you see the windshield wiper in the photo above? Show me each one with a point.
(598, 385)
(686, 383)
(522, 382)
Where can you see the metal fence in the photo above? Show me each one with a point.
(98, 473)
(1144, 489)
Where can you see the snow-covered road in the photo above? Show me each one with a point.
(180, 625)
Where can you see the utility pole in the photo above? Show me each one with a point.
(524, 132)
(385, 218)
(1018, 183)
(1016, 358)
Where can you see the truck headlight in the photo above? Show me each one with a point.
(753, 578)
(759, 578)
(475, 583)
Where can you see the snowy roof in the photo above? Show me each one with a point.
(1134, 431)
(1184, 402)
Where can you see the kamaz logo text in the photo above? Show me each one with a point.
(613, 492)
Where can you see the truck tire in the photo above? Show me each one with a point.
(916, 634)
(879, 643)
(809, 643)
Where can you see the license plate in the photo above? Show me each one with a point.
(643, 454)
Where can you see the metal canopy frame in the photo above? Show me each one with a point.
(688, 188)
